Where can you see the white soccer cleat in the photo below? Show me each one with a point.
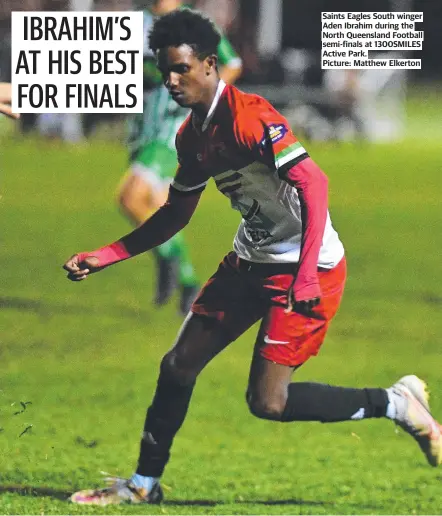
(413, 415)
(120, 491)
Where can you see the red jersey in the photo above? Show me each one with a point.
(247, 147)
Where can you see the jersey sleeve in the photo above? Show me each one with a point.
(227, 55)
(189, 178)
(267, 134)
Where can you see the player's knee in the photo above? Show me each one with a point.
(270, 408)
(175, 368)
(134, 194)
(126, 197)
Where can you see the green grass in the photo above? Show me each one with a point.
(86, 355)
(424, 111)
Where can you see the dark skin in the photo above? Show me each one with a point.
(192, 83)
(137, 197)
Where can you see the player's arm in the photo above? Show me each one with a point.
(168, 220)
(230, 63)
(296, 168)
(312, 187)
(184, 195)
(5, 100)
(269, 136)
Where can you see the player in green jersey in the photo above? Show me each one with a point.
(153, 162)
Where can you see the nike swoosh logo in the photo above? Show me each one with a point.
(270, 341)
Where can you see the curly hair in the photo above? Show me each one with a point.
(185, 27)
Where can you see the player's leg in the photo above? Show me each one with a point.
(176, 249)
(215, 321)
(286, 340)
(200, 339)
(143, 191)
(175, 253)
(271, 395)
(225, 308)
(187, 278)
(140, 194)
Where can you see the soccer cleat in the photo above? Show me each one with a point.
(413, 415)
(188, 295)
(120, 491)
(167, 279)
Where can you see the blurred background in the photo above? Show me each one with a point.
(79, 361)
(279, 42)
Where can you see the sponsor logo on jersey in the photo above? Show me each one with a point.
(277, 132)
(256, 235)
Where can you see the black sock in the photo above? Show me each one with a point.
(163, 420)
(325, 403)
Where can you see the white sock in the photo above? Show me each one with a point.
(359, 414)
(391, 407)
(146, 483)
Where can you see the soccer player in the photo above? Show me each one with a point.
(287, 269)
(153, 162)
(5, 100)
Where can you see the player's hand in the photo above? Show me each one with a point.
(302, 306)
(5, 100)
(79, 267)
(306, 307)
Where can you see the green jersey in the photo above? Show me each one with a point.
(162, 116)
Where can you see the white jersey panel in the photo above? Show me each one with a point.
(271, 228)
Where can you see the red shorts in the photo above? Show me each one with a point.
(241, 293)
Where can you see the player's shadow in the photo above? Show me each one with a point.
(45, 309)
(59, 494)
(63, 495)
(289, 501)
(212, 503)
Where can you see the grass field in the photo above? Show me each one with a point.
(79, 361)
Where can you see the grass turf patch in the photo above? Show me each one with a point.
(80, 361)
